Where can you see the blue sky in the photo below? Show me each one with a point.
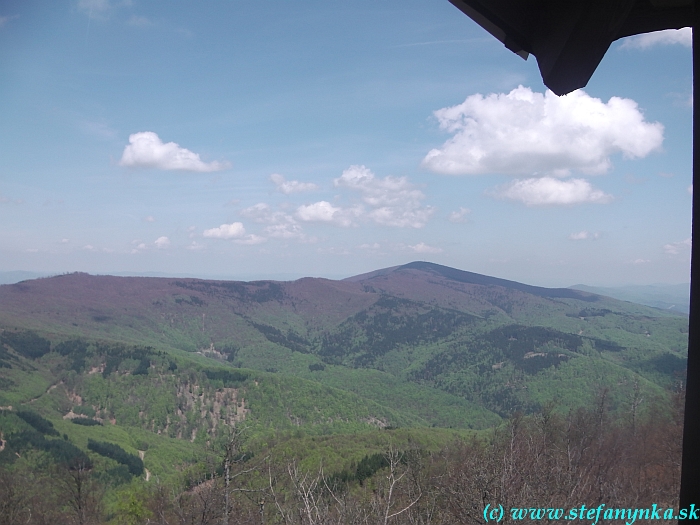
(285, 139)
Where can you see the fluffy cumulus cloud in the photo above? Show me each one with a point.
(393, 201)
(146, 150)
(389, 201)
(545, 191)
(682, 36)
(324, 211)
(162, 242)
(235, 230)
(523, 132)
(291, 186)
(279, 225)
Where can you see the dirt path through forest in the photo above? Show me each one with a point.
(142, 454)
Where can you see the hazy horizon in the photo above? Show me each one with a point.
(14, 276)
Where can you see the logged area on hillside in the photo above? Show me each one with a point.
(417, 394)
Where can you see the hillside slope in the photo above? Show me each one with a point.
(436, 344)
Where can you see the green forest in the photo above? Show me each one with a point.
(317, 402)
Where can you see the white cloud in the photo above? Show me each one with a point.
(421, 247)
(674, 248)
(667, 37)
(280, 225)
(285, 230)
(391, 201)
(549, 191)
(523, 132)
(583, 236)
(459, 216)
(146, 150)
(580, 236)
(235, 230)
(324, 211)
(640, 261)
(149, 218)
(291, 186)
(394, 200)
(162, 242)
(367, 246)
(260, 212)
(140, 246)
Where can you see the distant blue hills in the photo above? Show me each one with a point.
(674, 297)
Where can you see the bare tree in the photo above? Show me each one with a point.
(307, 505)
(202, 505)
(15, 498)
(387, 502)
(80, 491)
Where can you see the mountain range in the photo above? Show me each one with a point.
(674, 297)
(436, 345)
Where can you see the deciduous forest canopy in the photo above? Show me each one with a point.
(418, 392)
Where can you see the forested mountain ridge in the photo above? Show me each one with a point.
(420, 335)
(126, 378)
